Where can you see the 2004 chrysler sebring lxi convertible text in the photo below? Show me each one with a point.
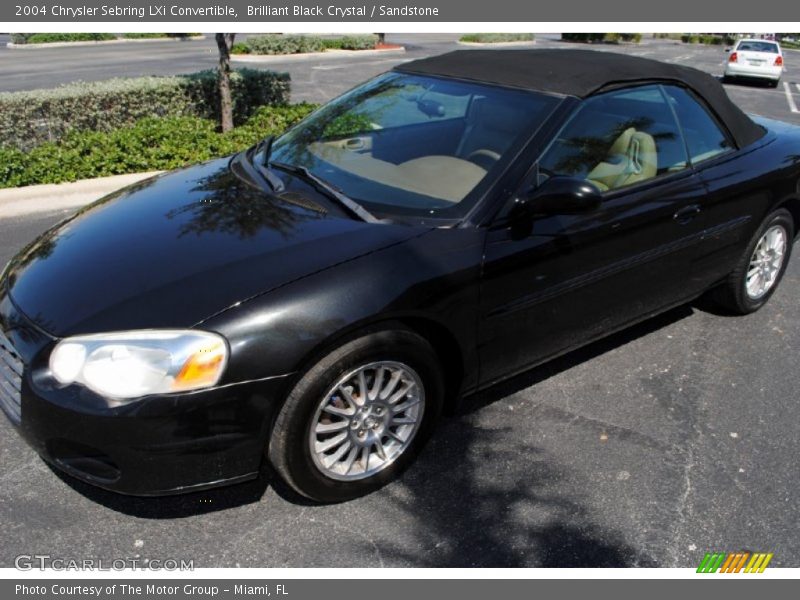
(319, 299)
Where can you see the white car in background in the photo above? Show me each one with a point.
(760, 59)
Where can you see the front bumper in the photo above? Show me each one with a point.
(155, 446)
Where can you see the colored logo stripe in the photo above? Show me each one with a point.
(711, 562)
(733, 562)
(758, 563)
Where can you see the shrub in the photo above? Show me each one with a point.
(496, 38)
(149, 144)
(29, 118)
(131, 35)
(283, 44)
(583, 37)
(298, 44)
(134, 35)
(705, 38)
(351, 42)
(49, 38)
(612, 38)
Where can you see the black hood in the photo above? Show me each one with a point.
(176, 249)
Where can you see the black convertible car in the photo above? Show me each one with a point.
(320, 298)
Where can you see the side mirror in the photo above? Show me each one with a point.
(727, 49)
(563, 196)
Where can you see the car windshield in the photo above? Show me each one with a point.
(758, 47)
(416, 146)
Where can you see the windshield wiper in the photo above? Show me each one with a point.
(329, 190)
(262, 166)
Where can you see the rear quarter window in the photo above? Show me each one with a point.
(704, 137)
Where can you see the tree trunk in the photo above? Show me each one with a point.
(224, 44)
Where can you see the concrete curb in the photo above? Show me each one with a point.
(267, 58)
(13, 46)
(32, 199)
(497, 44)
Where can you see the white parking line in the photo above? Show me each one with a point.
(678, 59)
(789, 98)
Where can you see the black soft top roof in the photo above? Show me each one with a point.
(581, 73)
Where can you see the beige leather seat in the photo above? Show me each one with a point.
(630, 159)
(491, 127)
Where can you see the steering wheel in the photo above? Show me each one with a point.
(484, 158)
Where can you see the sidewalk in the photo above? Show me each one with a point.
(31, 199)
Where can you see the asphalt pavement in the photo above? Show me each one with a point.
(674, 438)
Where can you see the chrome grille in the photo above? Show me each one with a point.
(10, 380)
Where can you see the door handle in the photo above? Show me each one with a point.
(686, 214)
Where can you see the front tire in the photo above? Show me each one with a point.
(359, 416)
(761, 267)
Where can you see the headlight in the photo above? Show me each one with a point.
(137, 363)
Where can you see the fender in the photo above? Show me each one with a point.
(432, 279)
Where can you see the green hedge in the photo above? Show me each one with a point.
(150, 144)
(49, 38)
(351, 42)
(299, 44)
(612, 38)
(496, 38)
(713, 40)
(28, 119)
(149, 36)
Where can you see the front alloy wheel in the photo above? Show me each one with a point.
(359, 416)
(366, 420)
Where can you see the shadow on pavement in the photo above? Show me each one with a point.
(473, 501)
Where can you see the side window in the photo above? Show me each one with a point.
(704, 138)
(618, 139)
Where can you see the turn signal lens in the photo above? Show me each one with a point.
(201, 369)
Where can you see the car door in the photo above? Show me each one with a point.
(738, 192)
(568, 279)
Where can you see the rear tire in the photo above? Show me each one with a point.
(758, 273)
(328, 404)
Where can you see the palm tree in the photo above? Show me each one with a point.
(224, 44)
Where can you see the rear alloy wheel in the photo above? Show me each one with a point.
(761, 267)
(359, 416)
(766, 263)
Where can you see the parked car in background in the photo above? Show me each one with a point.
(755, 59)
(319, 299)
